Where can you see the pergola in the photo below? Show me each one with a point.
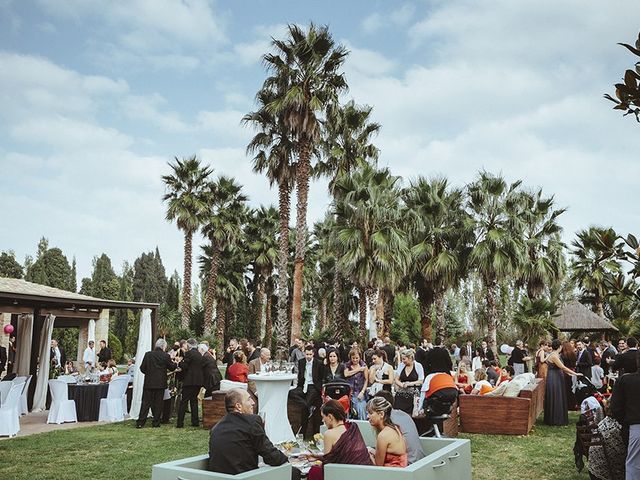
(24, 303)
(575, 317)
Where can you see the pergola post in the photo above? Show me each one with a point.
(83, 339)
(102, 328)
(5, 319)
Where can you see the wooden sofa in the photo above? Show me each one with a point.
(502, 415)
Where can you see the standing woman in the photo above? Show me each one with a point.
(333, 370)
(391, 448)
(381, 375)
(569, 357)
(409, 378)
(541, 360)
(357, 373)
(555, 397)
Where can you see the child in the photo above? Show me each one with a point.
(597, 376)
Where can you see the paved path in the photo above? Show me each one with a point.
(37, 423)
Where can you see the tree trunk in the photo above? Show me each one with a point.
(426, 298)
(302, 189)
(261, 321)
(268, 324)
(322, 314)
(441, 330)
(186, 286)
(362, 310)
(211, 288)
(220, 324)
(492, 315)
(389, 299)
(284, 199)
(336, 319)
(380, 327)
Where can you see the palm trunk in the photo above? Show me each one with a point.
(302, 189)
(380, 328)
(337, 300)
(322, 313)
(220, 323)
(261, 321)
(284, 199)
(389, 300)
(440, 321)
(268, 323)
(492, 315)
(211, 288)
(186, 286)
(362, 310)
(426, 298)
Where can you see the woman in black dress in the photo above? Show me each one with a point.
(334, 370)
(409, 378)
(555, 397)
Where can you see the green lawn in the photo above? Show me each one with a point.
(121, 451)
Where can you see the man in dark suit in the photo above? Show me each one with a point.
(307, 391)
(487, 353)
(154, 366)
(236, 441)
(211, 374)
(625, 408)
(105, 354)
(421, 353)
(583, 360)
(192, 381)
(438, 359)
(608, 351)
(57, 354)
(390, 350)
(626, 362)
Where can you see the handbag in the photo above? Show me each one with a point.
(373, 389)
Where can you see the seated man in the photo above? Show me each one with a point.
(239, 438)
(403, 420)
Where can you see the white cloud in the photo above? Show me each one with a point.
(372, 23)
(150, 109)
(366, 62)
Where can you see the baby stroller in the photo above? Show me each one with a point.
(340, 391)
(437, 411)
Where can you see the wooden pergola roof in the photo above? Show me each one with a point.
(575, 317)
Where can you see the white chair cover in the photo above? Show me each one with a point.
(226, 385)
(5, 387)
(9, 417)
(62, 409)
(144, 345)
(111, 408)
(68, 378)
(24, 406)
(44, 363)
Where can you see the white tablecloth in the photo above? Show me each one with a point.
(273, 392)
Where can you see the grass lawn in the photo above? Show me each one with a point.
(122, 451)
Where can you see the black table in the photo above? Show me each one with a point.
(87, 398)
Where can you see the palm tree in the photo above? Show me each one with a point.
(498, 251)
(596, 253)
(186, 205)
(441, 235)
(348, 133)
(262, 246)
(545, 264)
(305, 79)
(273, 149)
(372, 248)
(222, 225)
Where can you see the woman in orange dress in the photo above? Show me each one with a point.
(239, 371)
(391, 448)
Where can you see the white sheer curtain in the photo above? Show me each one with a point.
(91, 332)
(144, 345)
(44, 362)
(23, 347)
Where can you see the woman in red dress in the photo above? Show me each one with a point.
(239, 370)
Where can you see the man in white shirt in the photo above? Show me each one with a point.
(89, 357)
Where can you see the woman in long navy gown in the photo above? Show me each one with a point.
(555, 395)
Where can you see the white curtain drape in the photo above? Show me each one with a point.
(144, 345)
(44, 362)
(91, 333)
(23, 346)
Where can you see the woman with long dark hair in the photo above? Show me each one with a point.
(391, 448)
(555, 397)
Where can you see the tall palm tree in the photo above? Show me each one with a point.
(222, 225)
(273, 149)
(372, 247)
(348, 133)
(186, 204)
(441, 235)
(545, 264)
(498, 251)
(596, 253)
(305, 78)
(262, 246)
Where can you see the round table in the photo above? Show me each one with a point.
(87, 398)
(273, 394)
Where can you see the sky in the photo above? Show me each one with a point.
(97, 97)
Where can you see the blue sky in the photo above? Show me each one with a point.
(96, 97)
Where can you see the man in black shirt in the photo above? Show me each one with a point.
(625, 362)
(438, 359)
(239, 438)
(104, 355)
(390, 350)
(625, 408)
